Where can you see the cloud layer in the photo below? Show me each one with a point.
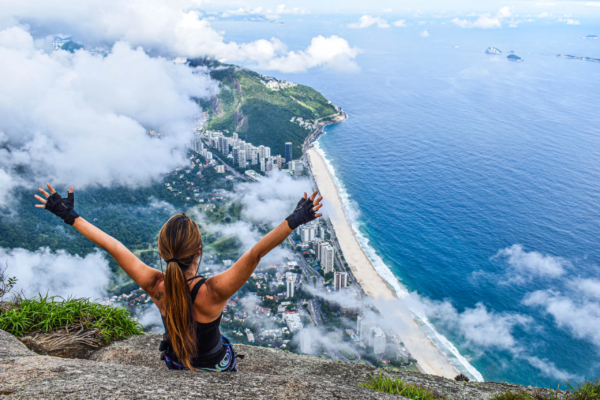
(526, 265)
(174, 29)
(82, 119)
(485, 21)
(57, 273)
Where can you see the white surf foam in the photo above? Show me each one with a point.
(441, 342)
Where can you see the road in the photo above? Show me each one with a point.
(316, 132)
(304, 265)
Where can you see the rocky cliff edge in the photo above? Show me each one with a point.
(131, 369)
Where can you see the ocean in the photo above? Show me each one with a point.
(450, 155)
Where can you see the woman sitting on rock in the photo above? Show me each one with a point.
(191, 306)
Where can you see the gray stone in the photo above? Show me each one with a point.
(10, 347)
(131, 369)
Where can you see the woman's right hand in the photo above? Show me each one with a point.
(58, 205)
(305, 211)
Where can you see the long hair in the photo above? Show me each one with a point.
(180, 238)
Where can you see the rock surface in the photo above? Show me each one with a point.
(131, 369)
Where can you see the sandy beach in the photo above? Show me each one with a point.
(429, 357)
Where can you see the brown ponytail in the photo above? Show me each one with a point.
(180, 238)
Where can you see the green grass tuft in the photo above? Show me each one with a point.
(385, 384)
(46, 314)
(585, 391)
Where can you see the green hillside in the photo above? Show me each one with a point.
(259, 114)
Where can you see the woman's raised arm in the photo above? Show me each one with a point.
(225, 284)
(143, 275)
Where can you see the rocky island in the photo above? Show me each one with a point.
(492, 50)
(578, 58)
(514, 57)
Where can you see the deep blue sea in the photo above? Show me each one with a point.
(451, 155)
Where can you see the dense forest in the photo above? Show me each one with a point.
(259, 114)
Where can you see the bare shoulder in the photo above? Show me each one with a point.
(208, 305)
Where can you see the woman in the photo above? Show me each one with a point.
(191, 306)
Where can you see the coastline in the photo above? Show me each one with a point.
(429, 358)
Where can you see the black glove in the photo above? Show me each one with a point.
(303, 214)
(62, 207)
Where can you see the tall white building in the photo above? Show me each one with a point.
(305, 342)
(197, 145)
(290, 287)
(209, 155)
(359, 326)
(307, 233)
(235, 135)
(242, 158)
(263, 166)
(254, 156)
(327, 257)
(377, 340)
(340, 280)
(267, 152)
(322, 232)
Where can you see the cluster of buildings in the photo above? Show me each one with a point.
(312, 235)
(130, 300)
(377, 340)
(244, 154)
(306, 124)
(276, 84)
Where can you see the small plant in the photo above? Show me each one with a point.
(461, 378)
(385, 384)
(7, 283)
(47, 314)
(585, 391)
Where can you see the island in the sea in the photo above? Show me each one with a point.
(514, 57)
(492, 50)
(590, 37)
(578, 58)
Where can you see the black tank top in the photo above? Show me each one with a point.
(208, 344)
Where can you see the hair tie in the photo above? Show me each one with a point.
(174, 260)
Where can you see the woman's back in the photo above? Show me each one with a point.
(209, 347)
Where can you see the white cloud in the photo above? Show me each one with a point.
(281, 10)
(367, 20)
(544, 15)
(589, 288)
(400, 23)
(57, 273)
(485, 21)
(160, 27)
(387, 10)
(81, 119)
(272, 199)
(424, 33)
(572, 22)
(333, 53)
(577, 312)
(525, 265)
(242, 11)
(548, 368)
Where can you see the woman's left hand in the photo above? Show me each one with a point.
(305, 210)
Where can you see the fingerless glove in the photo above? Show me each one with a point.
(303, 214)
(62, 207)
